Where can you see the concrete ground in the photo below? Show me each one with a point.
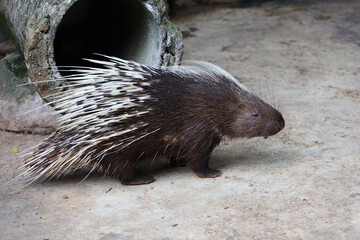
(303, 183)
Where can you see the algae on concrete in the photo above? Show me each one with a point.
(18, 97)
(14, 79)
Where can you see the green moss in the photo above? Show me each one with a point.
(170, 27)
(17, 67)
(14, 79)
(157, 4)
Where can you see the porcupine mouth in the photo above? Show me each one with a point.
(125, 29)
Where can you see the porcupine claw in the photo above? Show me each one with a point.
(140, 180)
(208, 173)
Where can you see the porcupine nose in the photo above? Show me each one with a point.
(276, 125)
(280, 123)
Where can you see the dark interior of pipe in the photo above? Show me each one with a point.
(110, 27)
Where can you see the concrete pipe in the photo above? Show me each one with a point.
(55, 33)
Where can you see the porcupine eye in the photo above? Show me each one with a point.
(255, 115)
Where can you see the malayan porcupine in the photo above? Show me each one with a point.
(123, 112)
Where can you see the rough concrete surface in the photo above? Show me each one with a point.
(303, 183)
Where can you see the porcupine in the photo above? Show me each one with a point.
(121, 113)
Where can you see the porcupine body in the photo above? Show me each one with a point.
(122, 113)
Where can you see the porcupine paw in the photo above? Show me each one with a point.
(177, 162)
(139, 180)
(208, 173)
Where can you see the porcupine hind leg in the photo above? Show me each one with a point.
(201, 167)
(198, 160)
(139, 180)
(128, 176)
(175, 162)
(125, 171)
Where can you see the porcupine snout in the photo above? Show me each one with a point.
(276, 124)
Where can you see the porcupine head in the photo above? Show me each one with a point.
(122, 112)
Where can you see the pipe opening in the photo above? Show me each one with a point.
(125, 29)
